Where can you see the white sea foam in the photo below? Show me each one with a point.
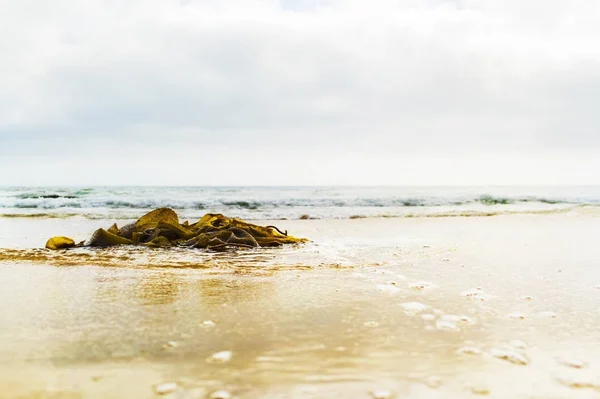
(290, 202)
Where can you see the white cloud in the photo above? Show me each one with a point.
(187, 82)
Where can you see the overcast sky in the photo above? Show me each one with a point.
(245, 92)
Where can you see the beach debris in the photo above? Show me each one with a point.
(479, 390)
(160, 228)
(220, 357)
(510, 356)
(165, 388)
(527, 298)
(547, 314)
(421, 286)
(516, 315)
(220, 395)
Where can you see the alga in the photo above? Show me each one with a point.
(160, 228)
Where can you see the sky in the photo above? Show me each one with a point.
(299, 92)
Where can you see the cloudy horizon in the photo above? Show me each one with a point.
(299, 92)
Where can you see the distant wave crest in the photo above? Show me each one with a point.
(286, 203)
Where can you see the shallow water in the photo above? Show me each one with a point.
(422, 308)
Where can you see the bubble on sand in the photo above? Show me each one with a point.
(412, 308)
(220, 395)
(509, 356)
(458, 319)
(165, 388)
(220, 357)
(475, 294)
(381, 394)
(171, 344)
(446, 325)
(468, 350)
(572, 362)
(390, 273)
(370, 324)
(387, 288)
(433, 382)
(422, 286)
(516, 315)
(208, 323)
(428, 316)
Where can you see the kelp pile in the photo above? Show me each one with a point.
(160, 228)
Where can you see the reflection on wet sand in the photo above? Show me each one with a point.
(245, 261)
(293, 329)
(158, 289)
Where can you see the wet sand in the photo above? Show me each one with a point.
(500, 307)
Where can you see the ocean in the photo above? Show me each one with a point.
(401, 292)
(276, 203)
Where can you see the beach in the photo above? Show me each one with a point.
(420, 307)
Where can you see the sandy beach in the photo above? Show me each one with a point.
(502, 306)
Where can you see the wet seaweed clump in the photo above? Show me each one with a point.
(160, 228)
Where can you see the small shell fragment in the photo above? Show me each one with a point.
(468, 350)
(381, 394)
(510, 356)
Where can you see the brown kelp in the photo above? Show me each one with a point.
(160, 228)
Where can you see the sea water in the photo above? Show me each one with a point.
(292, 202)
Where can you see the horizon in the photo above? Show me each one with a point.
(310, 186)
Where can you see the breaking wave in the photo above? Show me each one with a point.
(291, 202)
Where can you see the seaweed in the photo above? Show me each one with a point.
(161, 228)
